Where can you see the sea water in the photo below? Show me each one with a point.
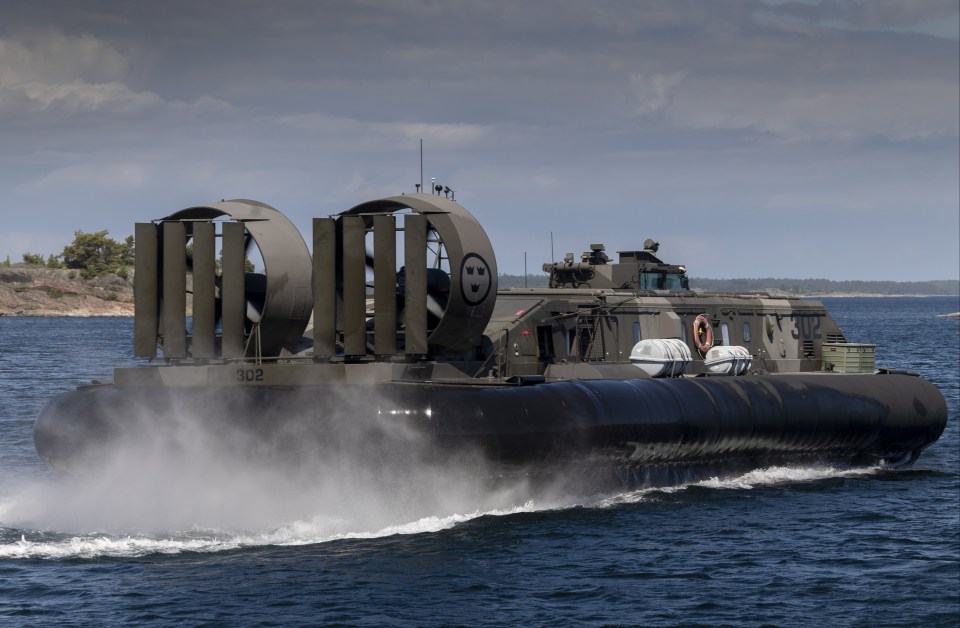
(778, 546)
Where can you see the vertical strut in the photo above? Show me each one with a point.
(354, 286)
(174, 290)
(384, 284)
(233, 301)
(146, 316)
(324, 288)
(204, 290)
(415, 284)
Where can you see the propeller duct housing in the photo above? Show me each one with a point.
(469, 289)
(436, 300)
(259, 314)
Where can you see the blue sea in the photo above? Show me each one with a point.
(777, 546)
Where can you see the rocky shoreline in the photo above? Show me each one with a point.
(34, 291)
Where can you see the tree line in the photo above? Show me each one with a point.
(96, 254)
(91, 254)
(828, 286)
(790, 286)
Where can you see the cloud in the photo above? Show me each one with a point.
(54, 71)
(89, 177)
(751, 117)
(892, 15)
(652, 91)
(438, 135)
(78, 95)
(897, 108)
(53, 57)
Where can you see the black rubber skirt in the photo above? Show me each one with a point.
(856, 419)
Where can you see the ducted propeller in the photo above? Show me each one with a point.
(437, 278)
(437, 296)
(236, 313)
(254, 286)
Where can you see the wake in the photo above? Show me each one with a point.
(30, 541)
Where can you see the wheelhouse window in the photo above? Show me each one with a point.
(746, 332)
(663, 281)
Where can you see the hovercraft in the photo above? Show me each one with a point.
(394, 329)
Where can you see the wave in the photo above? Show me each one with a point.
(758, 478)
(39, 544)
(314, 531)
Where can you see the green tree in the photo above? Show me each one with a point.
(6, 262)
(94, 254)
(128, 251)
(248, 266)
(33, 259)
(53, 261)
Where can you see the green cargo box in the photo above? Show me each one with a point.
(848, 357)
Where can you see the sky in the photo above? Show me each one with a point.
(750, 138)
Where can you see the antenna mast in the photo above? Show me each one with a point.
(421, 163)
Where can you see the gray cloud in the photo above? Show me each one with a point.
(869, 14)
(730, 131)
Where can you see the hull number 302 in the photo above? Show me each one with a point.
(249, 375)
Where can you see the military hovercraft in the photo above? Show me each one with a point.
(396, 321)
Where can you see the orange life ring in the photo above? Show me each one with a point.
(702, 333)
